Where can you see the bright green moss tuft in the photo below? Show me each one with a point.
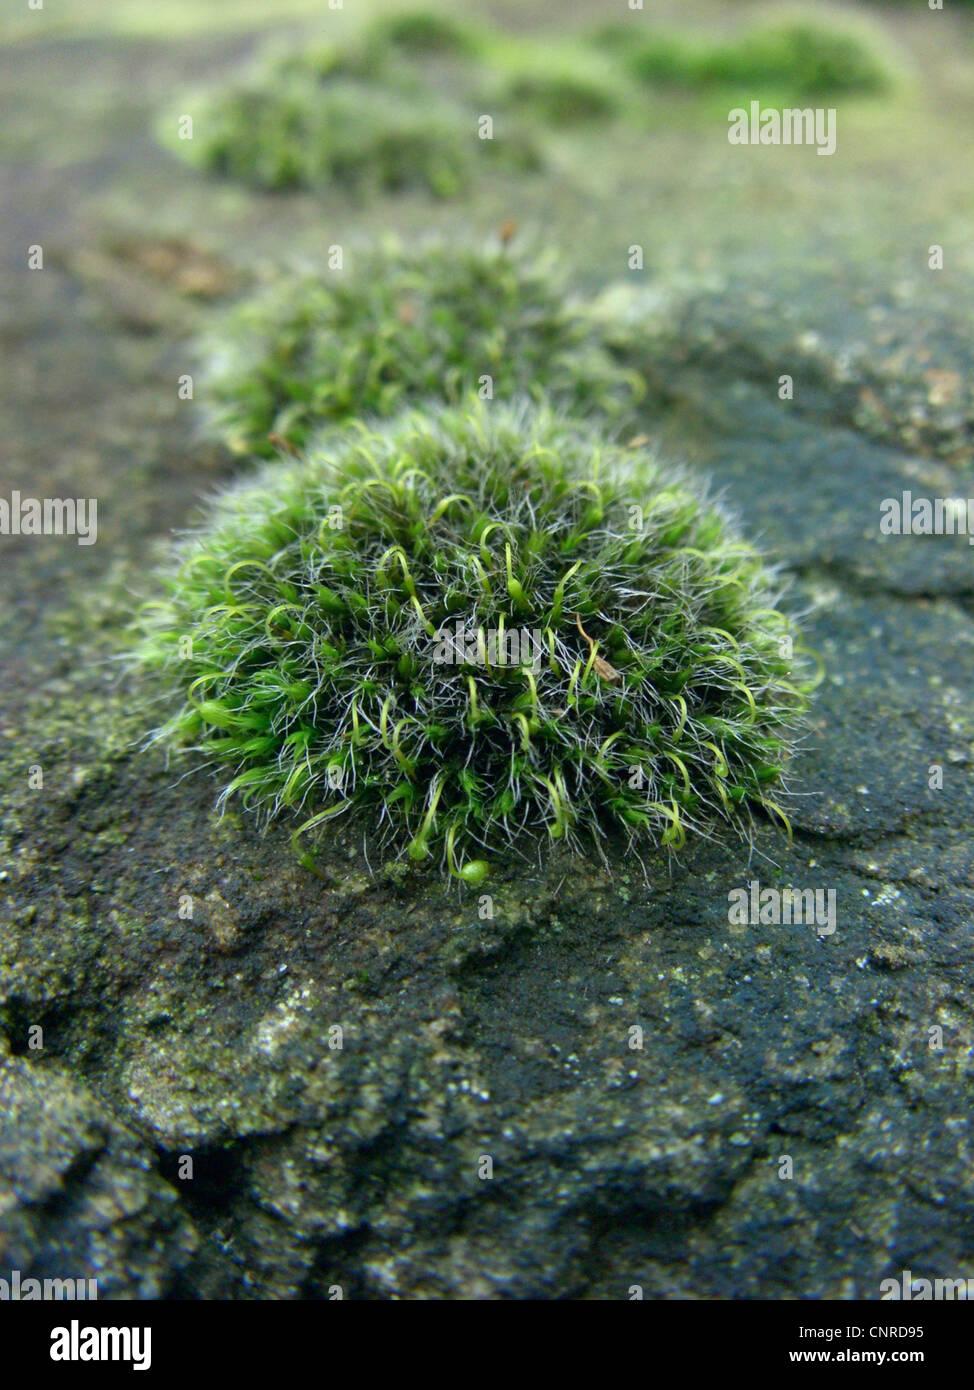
(562, 86)
(339, 641)
(797, 56)
(429, 33)
(399, 327)
(304, 131)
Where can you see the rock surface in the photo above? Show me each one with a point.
(339, 1057)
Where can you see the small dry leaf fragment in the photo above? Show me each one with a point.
(279, 442)
(603, 669)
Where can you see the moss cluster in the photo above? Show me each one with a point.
(358, 116)
(559, 84)
(798, 56)
(339, 639)
(398, 107)
(397, 327)
(303, 131)
(429, 32)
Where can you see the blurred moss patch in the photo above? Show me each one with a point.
(797, 55)
(420, 99)
(401, 327)
(362, 115)
(304, 132)
(563, 85)
(430, 32)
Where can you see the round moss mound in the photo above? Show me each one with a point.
(359, 116)
(293, 131)
(395, 328)
(429, 33)
(476, 628)
(560, 84)
(796, 54)
(807, 56)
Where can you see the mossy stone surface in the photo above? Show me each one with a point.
(463, 1035)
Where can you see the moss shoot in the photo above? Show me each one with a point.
(477, 629)
(398, 328)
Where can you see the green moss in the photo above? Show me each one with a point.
(799, 56)
(304, 132)
(364, 58)
(357, 115)
(429, 32)
(374, 114)
(369, 114)
(401, 327)
(338, 642)
(560, 85)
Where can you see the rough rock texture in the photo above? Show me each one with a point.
(886, 359)
(81, 1197)
(466, 1036)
